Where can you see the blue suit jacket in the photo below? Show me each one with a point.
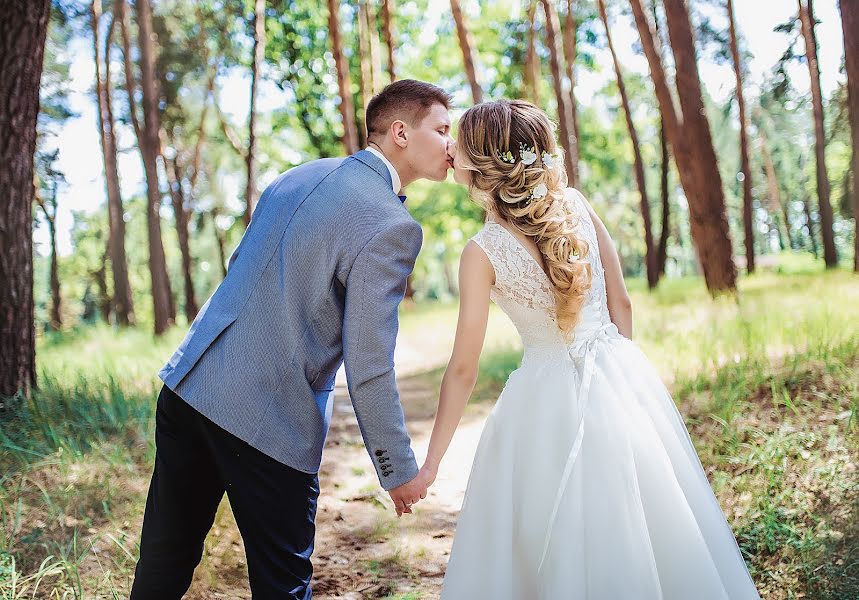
(317, 278)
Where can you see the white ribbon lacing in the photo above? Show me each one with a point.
(585, 347)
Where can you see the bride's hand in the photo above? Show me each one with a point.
(428, 472)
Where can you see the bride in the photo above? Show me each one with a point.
(585, 483)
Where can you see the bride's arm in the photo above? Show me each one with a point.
(476, 276)
(619, 304)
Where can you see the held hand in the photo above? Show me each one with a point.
(409, 493)
(429, 472)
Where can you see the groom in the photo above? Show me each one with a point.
(247, 397)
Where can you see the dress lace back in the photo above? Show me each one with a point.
(524, 291)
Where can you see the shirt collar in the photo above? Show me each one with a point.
(395, 177)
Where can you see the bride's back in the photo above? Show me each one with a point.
(524, 290)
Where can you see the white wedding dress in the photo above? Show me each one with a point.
(585, 482)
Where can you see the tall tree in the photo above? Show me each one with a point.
(650, 257)
(532, 62)
(664, 164)
(466, 44)
(347, 107)
(773, 189)
(565, 116)
(850, 27)
(806, 17)
(388, 36)
(123, 306)
(748, 220)
(49, 178)
(689, 135)
(23, 28)
(149, 141)
(570, 57)
(250, 158)
(367, 58)
(662, 249)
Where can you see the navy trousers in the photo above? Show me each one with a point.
(196, 462)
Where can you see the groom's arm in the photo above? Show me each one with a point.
(374, 289)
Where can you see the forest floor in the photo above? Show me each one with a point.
(768, 386)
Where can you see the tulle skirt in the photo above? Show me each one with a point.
(586, 485)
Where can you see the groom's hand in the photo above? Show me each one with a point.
(409, 493)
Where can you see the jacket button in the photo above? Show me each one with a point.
(386, 473)
(379, 452)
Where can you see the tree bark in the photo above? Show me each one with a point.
(55, 319)
(366, 62)
(850, 28)
(689, 136)
(388, 35)
(565, 118)
(220, 240)
(570, 55)
(774, 191)
(662, 252)
(250, 157)
(748, 216)
(180, 210)
(806, 16)
(23, 28)
(466, 44)
(121, 15)
(123, 306)
(650, 258)
(104, 301)
(150, 148)
(531, 71)
(347, 107)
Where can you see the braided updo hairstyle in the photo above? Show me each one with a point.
(491, 132)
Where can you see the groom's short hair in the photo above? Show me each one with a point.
(407, 100)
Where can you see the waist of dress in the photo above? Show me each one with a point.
(586, 340)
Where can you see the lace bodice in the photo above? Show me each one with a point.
(524, 291)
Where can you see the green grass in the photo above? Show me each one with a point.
(768, 385)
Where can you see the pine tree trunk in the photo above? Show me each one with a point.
(774, 191)
(662, 252)
(806, 16)
(748, 217)
(570, 55)
(650, 258)
(220, 241)
(250, 156)
(850, 27)
(347, 107)
(105, 303)
(531, 68)
(55, 318)
(123, 307)
(174, 177)
(466, 45)
(806, 205)
(692, 145)
(150, 148)
(388, 34)
(565, 118)
(56, 298)
(23, 27)
(366, 62)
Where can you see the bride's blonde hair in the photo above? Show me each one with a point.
(491, 136)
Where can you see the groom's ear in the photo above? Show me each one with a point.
(399, 130)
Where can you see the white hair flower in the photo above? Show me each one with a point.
(505, 156)
(551, 161)
(539, 191)
(528, 155)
